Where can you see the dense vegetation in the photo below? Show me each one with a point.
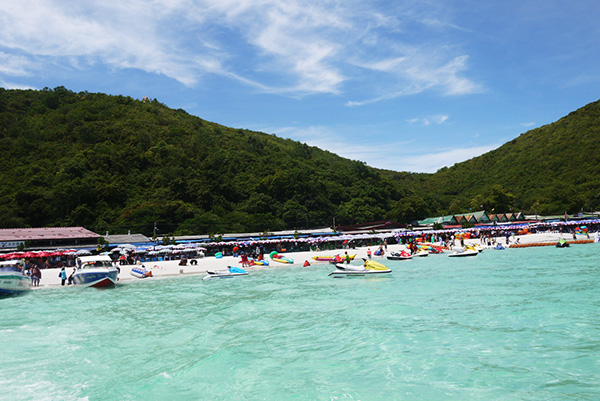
(548, 170)
(112, 163)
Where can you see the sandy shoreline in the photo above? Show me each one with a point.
(172, 268)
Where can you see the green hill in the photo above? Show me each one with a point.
(112, 163)
(548, 170)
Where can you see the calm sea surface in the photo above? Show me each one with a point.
(519, 324)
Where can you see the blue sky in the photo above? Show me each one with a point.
(404, 85)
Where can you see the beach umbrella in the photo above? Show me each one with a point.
(82, 252)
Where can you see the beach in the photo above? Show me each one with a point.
(171, 268)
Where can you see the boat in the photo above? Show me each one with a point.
(140, 272)
(420, 253)
(460, 252)
(95, 271)
(562, 243)
(255, 262)
(326, 258)
(13, 280)
(475, 247)
(231, 272)
(400, 256)
(370, 267)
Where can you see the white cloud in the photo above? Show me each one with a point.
(15, 66)
(437, 119)
(276, 46)
(400, 155)
(528, 125)
(431, 162)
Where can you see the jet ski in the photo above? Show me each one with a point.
(420, 252)
(368, 268)
(459, 252)
(562, 243)
(231, 272)
(400, 256)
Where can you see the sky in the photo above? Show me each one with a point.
(404, 85)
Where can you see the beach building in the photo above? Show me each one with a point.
(475, 218)
(46, 238)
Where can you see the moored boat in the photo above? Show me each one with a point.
(459, 252)
(400, 256)
(95, 271)
(231, 272)
(370, 267)
(13, 279)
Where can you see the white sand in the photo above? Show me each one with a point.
(171, 268)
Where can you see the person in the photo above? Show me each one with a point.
(71, 277)
(244, 257)
(385, 244)
(63, 276)
(347, 257)
(369, 253)
(36, 276)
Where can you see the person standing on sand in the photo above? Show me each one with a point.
(71, 277)
(63, 276)
(369, 253)
(36, 276)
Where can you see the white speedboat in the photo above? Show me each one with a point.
(459, 252)
(231, 272)
(13, 279)
(368, 268)
(95, 271)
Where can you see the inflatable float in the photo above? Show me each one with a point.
(280, 258)
(140, 272)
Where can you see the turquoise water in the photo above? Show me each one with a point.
(520, 324)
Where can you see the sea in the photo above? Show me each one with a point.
(515, 324)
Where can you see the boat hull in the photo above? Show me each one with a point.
(357, 273)
(463, 254)
(96, 278)
(13, 283)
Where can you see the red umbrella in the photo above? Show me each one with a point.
(29, 255)
(44, 254)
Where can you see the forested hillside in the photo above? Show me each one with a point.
(548, 170)
(112, 163)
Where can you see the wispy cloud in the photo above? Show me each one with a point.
(275, 46)
(528, 125)
(397, 155)
(434, 119)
